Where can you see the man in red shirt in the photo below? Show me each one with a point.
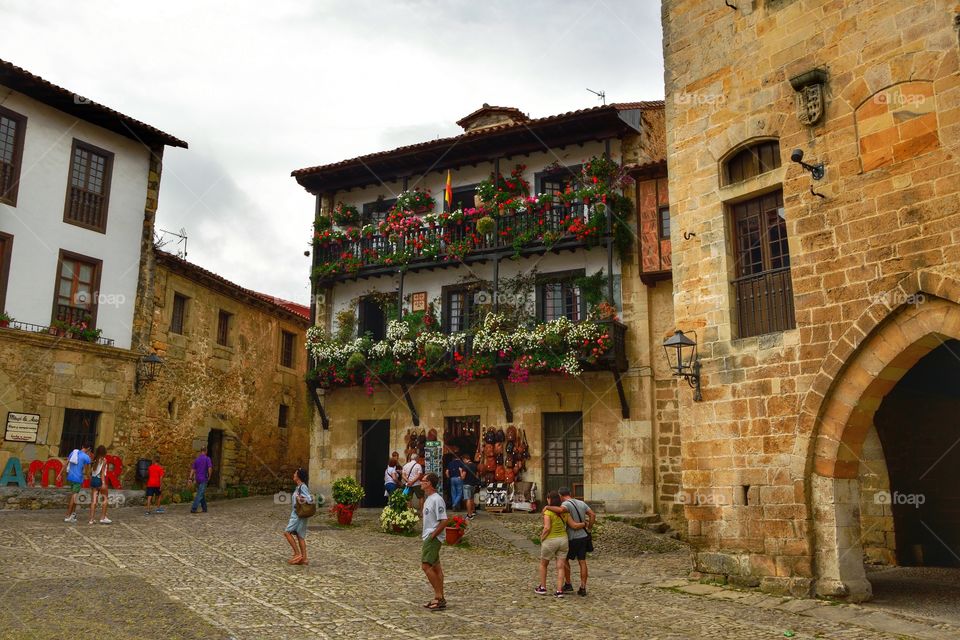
(154, 474)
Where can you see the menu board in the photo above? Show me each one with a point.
(22, 427)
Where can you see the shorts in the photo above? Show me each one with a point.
(553, 548)
(96, 483)
(75, 487)
(430, 551)
(152, 491)
(578, 549)
(468, 490)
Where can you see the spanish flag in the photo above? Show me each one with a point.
(448, 194)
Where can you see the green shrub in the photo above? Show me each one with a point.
(347, 491)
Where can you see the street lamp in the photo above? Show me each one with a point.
(148, 367)
(682, 357)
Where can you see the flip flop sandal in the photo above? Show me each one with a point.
(433, 604)
(437, 605)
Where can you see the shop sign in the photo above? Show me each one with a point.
(22, 427)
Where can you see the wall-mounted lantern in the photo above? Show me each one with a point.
(148, 368)
(682, 356)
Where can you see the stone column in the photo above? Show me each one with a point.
(838, 549)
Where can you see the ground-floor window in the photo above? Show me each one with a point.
(79, 428)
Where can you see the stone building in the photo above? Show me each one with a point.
(79, 184)
(825, 294)
(232, 380)
(490, 268)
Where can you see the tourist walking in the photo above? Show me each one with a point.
(579, 538)
(76, 464)
(200, 472)
(296, 531)
(155, 474)
(553, 543)
(391, 476)
(98, 485)
(455, 474)
(470, 483)
(434, 534)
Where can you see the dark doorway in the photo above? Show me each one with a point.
(215, 451)
(79, 428)
(371, 319)
(918, 429)
(563, 451)
(374, 454)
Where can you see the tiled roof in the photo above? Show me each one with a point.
(513, 111)
(486, 131)
(209, 277)
(80, 107)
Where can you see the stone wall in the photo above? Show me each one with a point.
(237, 388)
(888, 137)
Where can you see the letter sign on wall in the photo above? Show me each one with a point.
(22, 427)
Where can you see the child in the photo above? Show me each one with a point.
(154, 474)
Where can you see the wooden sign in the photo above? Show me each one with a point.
(22, 427)
(418, 301)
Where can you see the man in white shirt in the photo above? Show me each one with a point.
(434, 533)
(412, 473)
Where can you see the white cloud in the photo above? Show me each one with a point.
(261, 88)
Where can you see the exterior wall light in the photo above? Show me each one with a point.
(682, 357)
(148, 368)
(816, 170)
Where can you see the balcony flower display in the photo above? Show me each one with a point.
(345, 215)
(416, 200)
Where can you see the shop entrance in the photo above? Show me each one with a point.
(563, 451)
(374, 454)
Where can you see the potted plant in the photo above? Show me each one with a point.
(347, 494)
(345, 215)
(5, 319)
(456, 527)
(397, 517)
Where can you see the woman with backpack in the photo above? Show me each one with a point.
(98, 485)
(303, 508)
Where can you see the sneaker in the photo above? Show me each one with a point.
(567, 587)
(91, 522)
(146, 513)
(558, 594)
(541, 591)
(104, 521)
(582, 591)
(160, 510)
(70, 519)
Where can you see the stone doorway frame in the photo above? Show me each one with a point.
(886, 341)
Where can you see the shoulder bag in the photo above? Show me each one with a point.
(304, 509)
(589, 543)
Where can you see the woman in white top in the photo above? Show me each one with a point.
(98, 485)
(391, 476)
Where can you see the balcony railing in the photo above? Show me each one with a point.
(86, 208)
(764, 303)
(521, 232)
(39, 328)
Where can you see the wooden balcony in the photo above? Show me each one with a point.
(432, 246)
(764, 303)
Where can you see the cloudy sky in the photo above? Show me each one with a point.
(261, 88)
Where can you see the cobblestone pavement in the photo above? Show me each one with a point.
(224, 575)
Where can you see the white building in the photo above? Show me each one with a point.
(75, 187)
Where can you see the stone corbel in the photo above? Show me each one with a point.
(809, 88)
(312, 390)
(413, 409)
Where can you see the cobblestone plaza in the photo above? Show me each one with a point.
(224, 575)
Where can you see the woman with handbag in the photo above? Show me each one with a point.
(303, 508)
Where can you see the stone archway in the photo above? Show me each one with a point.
(887, 340)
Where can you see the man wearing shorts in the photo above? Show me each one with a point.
(434, 534)
(470, 482)
(411, 474)
(76, 462)
(579, 511)
(154, 475)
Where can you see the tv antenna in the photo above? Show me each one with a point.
(182, 235)
(600, 94)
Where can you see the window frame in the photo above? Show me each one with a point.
(466, 188)
(559, 277)
(288, 363)
(573, 171)
(6, 255)
(368, 214)
(362, 317)
(19, 138)
(469, 310)
(661, 210)
(67, 412)
(754, 148)
(182, 315)
(283, 416)
(107, 181)
(94, 284)
(221, 315)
